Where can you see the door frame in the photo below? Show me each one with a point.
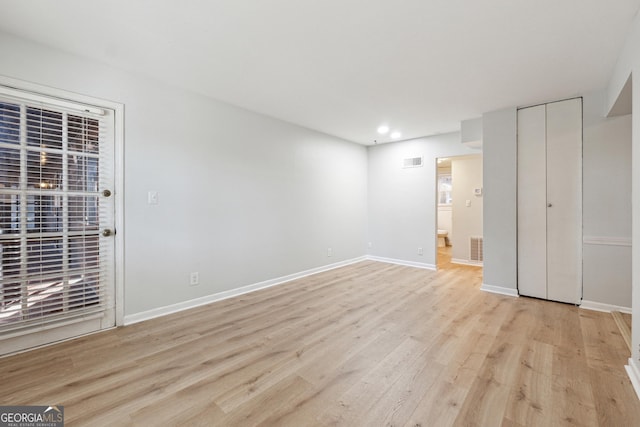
(118, 154)
(451, 158)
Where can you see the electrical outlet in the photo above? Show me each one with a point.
(420, 251)
(194, 278)
(370, 245)
(329, 252)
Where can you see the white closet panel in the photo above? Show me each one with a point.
(532, 196)
(550, 201)
(564, 200)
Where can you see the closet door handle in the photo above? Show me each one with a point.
(549, 205)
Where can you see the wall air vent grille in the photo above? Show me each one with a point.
(412, 162)
(475, 249)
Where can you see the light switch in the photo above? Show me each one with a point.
(152, 197)
(467, 203)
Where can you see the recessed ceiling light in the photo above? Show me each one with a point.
(383, 129)
(395, 134)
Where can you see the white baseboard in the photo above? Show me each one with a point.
(499, 290)
(185, 305)
(466, 262)
(607, 308)
(634, 375)
(402, 262)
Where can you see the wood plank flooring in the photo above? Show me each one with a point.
(371, 344)
(624, 326)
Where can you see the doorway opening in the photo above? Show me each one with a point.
(459, 211)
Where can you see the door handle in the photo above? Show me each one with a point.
(107, 232)
(549, 205)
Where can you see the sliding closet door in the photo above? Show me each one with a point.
(532, 196)
(564, 201)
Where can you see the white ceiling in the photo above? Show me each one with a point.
(344, 67)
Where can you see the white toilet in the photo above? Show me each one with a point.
(443, 238)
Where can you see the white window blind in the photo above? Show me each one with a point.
(55, 164)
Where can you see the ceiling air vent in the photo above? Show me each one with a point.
(413, 162)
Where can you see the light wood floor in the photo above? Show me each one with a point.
(370, 344)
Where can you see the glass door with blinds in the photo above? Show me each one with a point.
(56, 219)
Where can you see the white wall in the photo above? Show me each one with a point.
(606, 204)
(467, 220)
(499, 143)
(243, 198)
(402, 202)
(629, 65)
(445, 220)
